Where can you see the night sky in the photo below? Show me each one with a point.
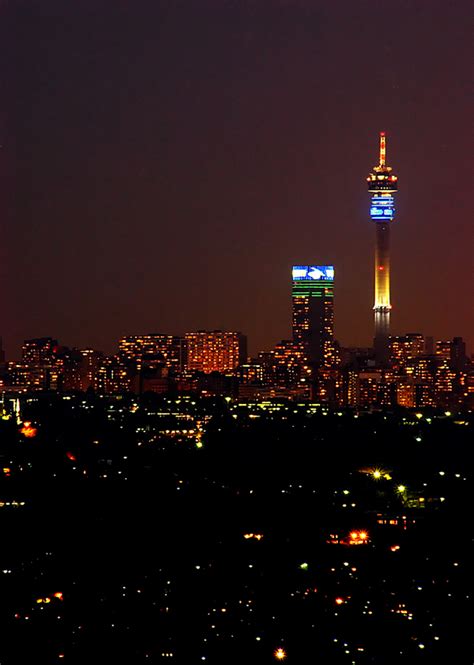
(163, 164)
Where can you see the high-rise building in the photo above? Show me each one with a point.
(39, 351)
(89, 368)
(444, 383)
(112, 376)
(458, 356)
(137, 348)
(251, 373)
(40, 367)
(375, 388)
(406, 393)
(285, 365)
(382, 185)
(313, 313)
(405, 347)
(443, 349)
(215, 351)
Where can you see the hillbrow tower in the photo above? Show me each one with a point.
(382, 185)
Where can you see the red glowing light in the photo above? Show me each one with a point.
(382, 149)
(358, 537)
(28, 431)
(380, 268)
(339, 601)
(71, 457)
(58, 595)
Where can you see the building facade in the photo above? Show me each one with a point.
(171, 349)
(215, 351)
(313, 313)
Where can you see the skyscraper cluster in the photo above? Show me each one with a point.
(409, 370)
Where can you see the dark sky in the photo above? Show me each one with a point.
(165, 163)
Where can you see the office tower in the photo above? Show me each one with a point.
(458, 356)
(40, 351)
(40, 367)
(90, 364)
(285, 365)
(443, 349)
(382, 185)
(313, 313)
(138, 349)
(112, 377)
(429, 346)
(406, 393)
(375, 387)
(215, 351)
(69, 363)
(444, 383)
(405, 347)
(251, 373)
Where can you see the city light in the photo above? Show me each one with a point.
(164, 165)
(28, 430)
(358, 538)
(280, 654)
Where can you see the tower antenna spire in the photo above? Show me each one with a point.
(382, 149)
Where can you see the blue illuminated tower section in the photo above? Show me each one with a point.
(382, 185)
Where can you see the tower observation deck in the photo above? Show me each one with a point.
(382, 184)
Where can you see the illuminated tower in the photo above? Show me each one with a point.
(382, 185)
(313, 314)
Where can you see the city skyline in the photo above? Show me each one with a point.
(147, 184)
(113, 348)
(236, 409)
(306, 280)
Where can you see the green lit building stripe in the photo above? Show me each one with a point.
(312, 289)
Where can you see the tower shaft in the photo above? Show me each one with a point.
(382, 266)
(382, 293)
(382, 185)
